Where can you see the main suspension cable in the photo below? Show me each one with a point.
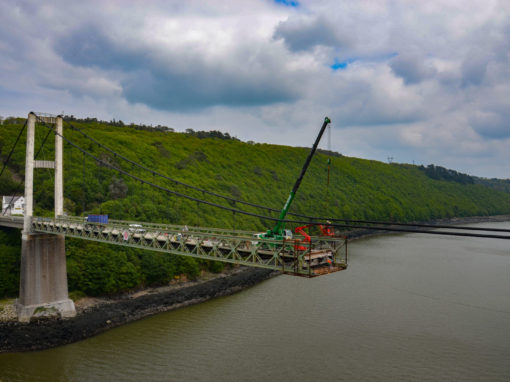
(13, 147)
(18, 186)
(431, 232)
(115, 153)
(266, 208)
(268, 217)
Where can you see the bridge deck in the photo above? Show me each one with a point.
(321, 256)
(11, 221)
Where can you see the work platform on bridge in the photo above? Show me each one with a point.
(320, 256)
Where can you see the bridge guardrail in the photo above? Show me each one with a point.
(321, 255)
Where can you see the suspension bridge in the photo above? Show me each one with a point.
(43, 281)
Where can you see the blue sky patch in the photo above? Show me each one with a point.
(288, 3)
(340, 65)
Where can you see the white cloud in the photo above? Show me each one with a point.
(425, 81)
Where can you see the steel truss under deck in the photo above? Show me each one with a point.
(321, 255)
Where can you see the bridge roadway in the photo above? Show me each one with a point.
(320, 256)
(11, 221)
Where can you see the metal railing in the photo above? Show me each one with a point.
(321, 255)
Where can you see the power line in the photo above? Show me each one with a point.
(444, 233)
(234, 210)
(420, 225)
(115, 153)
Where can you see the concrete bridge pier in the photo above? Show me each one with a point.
(43, 278)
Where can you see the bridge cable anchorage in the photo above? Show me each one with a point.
(270, 209)
(247, 213)
(18, 186)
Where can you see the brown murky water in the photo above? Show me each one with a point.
(409, 308)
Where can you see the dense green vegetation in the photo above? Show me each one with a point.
(441, 173)
(258, 173)
(10, 242)
(497, 184)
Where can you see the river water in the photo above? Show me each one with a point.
(409, 308)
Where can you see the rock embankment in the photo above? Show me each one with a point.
(7, 312)
(45, 333)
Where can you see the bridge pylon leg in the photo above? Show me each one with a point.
(43, 273)
(43, 279)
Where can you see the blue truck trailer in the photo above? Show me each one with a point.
(103, 219)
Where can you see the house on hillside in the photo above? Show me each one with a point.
(13, 205)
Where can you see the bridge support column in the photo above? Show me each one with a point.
(29, 175)
(43, 279)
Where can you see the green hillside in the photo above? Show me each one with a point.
(258, 173)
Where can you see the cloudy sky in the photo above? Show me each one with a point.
(419, 81)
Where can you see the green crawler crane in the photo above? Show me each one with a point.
(278, 232)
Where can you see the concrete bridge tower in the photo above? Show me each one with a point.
(43, 279)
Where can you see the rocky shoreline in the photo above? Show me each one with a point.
(46, 332)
